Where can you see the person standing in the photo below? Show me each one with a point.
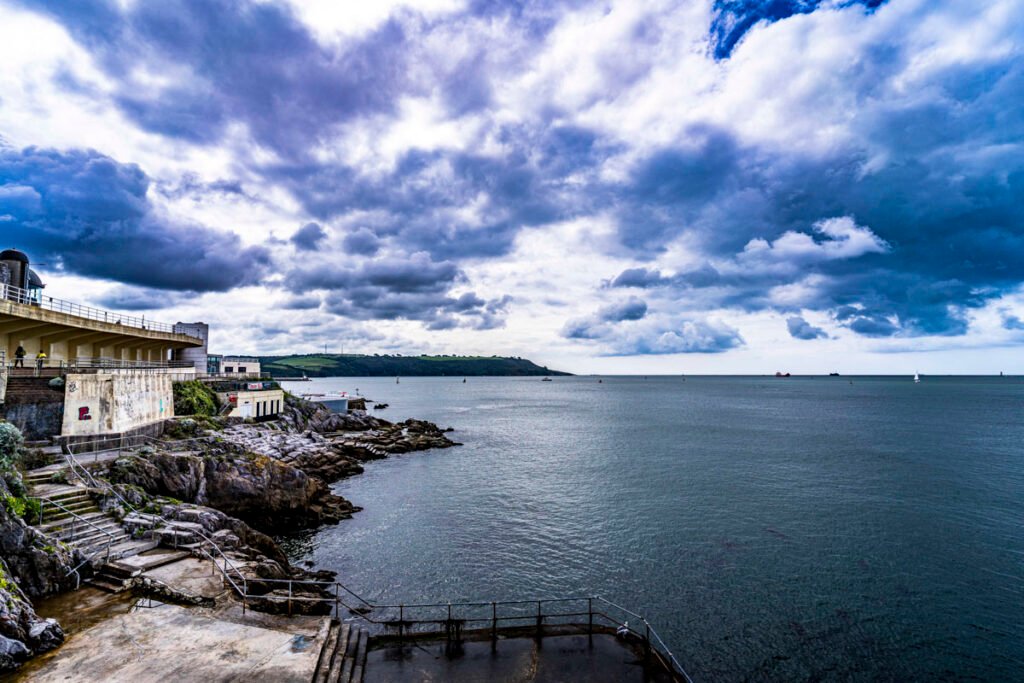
(40, 359)
(19, 356)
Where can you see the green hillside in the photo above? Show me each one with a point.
(353, 365)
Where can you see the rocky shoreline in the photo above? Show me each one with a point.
(231, 482)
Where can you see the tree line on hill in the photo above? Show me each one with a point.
(351, 365)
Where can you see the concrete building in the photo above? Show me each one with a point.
(241, 365)
(116, 370)
(71, 333)
(250, 399)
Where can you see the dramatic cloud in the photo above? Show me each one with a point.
(801, 329)
(308, 237)
(89, 214)
(733, 18)
(631, 178)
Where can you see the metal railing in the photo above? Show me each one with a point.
(27, 298)
(451, 619)
(103, 363)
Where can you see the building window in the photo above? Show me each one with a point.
(241, 368)
(228, 368)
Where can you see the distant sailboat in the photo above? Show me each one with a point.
(396, 381)
(917, 378)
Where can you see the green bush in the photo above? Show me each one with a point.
(194, 398)
(11, 443)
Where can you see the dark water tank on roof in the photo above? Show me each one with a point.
(17, 266)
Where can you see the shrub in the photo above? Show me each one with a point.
(194, 398)
(11, 443)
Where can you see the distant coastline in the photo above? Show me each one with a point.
(360, 365)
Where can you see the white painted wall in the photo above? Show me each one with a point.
(115, 402)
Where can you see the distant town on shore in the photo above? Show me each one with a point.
(363, 365)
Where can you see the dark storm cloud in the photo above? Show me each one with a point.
(949, 231)
(654, 336)
(363, 242)
(89, 215)
(1012, 322)
(302, 303)
(630, 309)
(733, 18)
(190, 185)
(535, 183)
(401, 288)
(801, 329)
(254, 63)
(308, 237)
(936, 176)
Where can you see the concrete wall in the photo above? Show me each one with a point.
(36, 421)
(112, 403)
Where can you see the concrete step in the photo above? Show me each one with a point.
(93, 543)
(119, 571)
(103, 522)
(58, 525)
(131, 548)
(52, 514)
(90, 534)
(104, 585)
(338, 656)
(66, 496)
(323, 664)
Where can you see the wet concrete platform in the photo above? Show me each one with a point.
(170, 643)
(597, 659)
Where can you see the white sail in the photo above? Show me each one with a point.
(917, 378)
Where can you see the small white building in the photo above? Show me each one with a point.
(240, 365)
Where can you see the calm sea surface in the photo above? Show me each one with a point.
(797, 529)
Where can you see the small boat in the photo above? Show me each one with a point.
(546, 379)
(917, 378)
(833, 374)
(463, 380)
(335, 401)
(396, 381)
(380, 406)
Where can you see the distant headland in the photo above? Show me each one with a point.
(359, 365)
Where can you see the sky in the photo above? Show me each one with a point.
(700, 186)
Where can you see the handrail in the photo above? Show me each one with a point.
(105, 363)
(77, 518)
(650, 637)
(26, 297)
(227, 563)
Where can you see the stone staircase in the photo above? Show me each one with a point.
(70, 515)
(343, 657)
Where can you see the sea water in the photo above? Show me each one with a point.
(826, 528)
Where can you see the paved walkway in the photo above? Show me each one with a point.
(170, 643)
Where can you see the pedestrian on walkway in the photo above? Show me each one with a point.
(19, 356)
(40, 359)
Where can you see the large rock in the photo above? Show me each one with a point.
(13, 653)
(265, 493)
(45, 635)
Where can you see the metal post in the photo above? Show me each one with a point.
(647, 640)
(289, 597)
(401, 622)
(494, 621)
(540, 620)
(590, 616)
